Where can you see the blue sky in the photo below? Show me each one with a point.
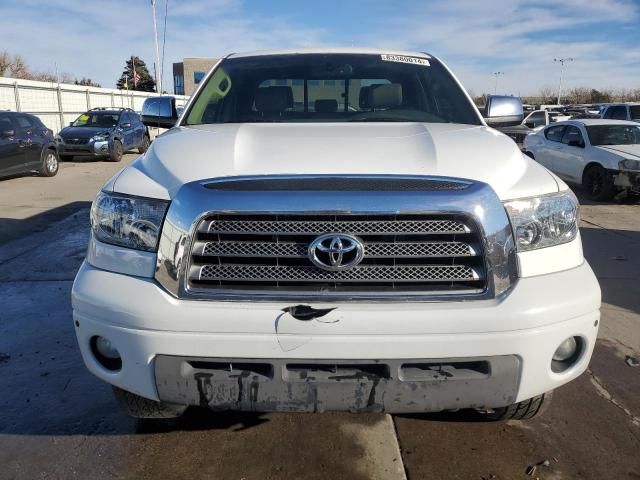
(475, 38)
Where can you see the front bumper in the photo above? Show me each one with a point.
(98, 149)
(160, 337)
(628, 180)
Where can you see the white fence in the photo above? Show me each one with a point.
(59, 104)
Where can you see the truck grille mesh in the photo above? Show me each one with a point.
(412, 253)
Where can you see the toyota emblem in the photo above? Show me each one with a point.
(336, 251)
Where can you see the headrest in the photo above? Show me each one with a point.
(274, 99)
(386, 96)
(365, 96)
(326, 106)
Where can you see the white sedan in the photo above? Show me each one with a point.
(601, 155)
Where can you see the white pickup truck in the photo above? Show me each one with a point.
(335, 230)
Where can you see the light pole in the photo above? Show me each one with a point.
(155, 42)
(561, 60)
(495, 87)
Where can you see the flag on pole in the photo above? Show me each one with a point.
(135, 75)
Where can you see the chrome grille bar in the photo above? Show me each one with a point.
(301, 250)
(397, 273)
(318, 227)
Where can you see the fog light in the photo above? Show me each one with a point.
(106, 349)
(567, 354)
(106, 353)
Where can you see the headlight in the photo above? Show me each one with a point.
(629, 165)
(545, 221)
(58, 139)
(100, 138)
(128, 221)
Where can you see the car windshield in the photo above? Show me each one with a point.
(331, 88)
(614, 134)
(97, 119)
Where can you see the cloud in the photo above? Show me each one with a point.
(522, 38)
(518, 37)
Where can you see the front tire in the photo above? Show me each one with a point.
(522, 410)
(598, 183)
(50, 164)
(144, 146)
(116, 151)
(139, 407)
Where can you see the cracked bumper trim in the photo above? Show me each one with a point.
(393, 386)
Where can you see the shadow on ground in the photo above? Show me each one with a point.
(13, 229)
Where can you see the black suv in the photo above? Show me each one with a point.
(26, 146)
(103, 132)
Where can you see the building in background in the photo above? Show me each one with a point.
(188, 74)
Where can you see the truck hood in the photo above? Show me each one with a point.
(185, 154)
(628, 151)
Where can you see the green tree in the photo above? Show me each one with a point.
(87, 82)
(138, 78)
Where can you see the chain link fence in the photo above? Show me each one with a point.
(59, 104)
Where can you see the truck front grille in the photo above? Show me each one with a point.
(402, 253)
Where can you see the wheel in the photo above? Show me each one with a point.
(66, 158)
(116, 151)
(598, 183)
(139, 407)
(50, 163)
(145, 145)
(522, 410)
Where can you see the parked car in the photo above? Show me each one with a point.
(531, 123)
(622, 111)
(601, 155)
(103, 132)
(26, 146)
(402, 257)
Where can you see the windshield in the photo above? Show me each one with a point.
(98, 119)
(331, 88)
(614, 134)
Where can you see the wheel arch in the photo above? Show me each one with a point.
(590, 164)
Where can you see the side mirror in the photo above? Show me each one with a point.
(503, 111)
(7, 133)
(126, 125)
(530, 124)
(159, 112)
(71, 124)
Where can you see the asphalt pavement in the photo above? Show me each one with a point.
(59, 422)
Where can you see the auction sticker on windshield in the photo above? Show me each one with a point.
(403, 59)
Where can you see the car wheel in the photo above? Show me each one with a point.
(66, 158)
(145, 145)
(116, 151)
(50, 164)
(522, 410)
(139, 407)
(598, 183)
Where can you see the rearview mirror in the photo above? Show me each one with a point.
(503, 111)
(159, 112)
(7, 133)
